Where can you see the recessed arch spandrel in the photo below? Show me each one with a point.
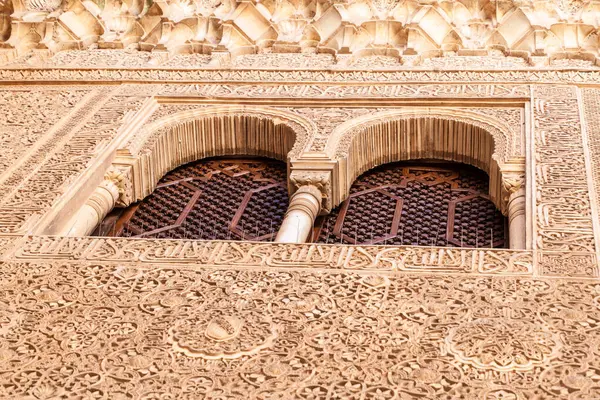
(417, 133)
(207, 132)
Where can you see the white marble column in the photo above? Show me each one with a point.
(516, 219)
(95, 209)
(115, 190)
(514, 205)
(304, 207)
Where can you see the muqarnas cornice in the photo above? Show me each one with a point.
(362, 34)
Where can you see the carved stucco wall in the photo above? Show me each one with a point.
(103, 317)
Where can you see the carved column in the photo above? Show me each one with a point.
(304, 207)
(312, 196)
(515, 209)
(115, 190)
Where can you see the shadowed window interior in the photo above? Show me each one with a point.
(425, 204)
(219, 198)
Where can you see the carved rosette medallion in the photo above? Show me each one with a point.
(222, 334)
(277, 370)
(502, 344)
(426, 376)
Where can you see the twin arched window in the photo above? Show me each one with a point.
(417, 203)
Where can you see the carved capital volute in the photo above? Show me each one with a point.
(320, 180)
(513, 184)
(120, 176)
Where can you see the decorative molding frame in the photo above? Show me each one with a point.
(141, 99)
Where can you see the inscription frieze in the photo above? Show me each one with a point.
(251, 255)
(190, 75)
(563, 210)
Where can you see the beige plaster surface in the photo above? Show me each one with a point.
(107, 318)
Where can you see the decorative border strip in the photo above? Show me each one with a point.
(270, 255)
(195, 75)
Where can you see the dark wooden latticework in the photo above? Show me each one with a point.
(426, 205)
(228, 199)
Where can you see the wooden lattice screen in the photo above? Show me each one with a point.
(246, 199)
(426, 205)
(226, 199)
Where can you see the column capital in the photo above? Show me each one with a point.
(121, 177)
(320, 180)
(512, 183)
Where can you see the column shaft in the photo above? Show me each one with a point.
(304, 207)
(516, 219)
(95, 209)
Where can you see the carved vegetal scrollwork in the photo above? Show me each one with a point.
(503, 344)
(293, 333)
(511, 184)
(223, 334)
(107, 318)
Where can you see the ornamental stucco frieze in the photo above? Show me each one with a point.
(281, 331)
(176, 75)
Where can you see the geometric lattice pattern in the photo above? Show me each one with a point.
(226, 199)
(418, 205)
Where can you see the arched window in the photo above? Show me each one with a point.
(417, 203)
(218, 198)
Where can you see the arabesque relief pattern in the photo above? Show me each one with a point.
(49, 170)
(591, 99)
(109, 330)
(52, 178)
(20, 106)
(563, 212)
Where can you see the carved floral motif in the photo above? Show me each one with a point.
(503, 344)
(110, 318)
(243, 332)
(222, 334)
